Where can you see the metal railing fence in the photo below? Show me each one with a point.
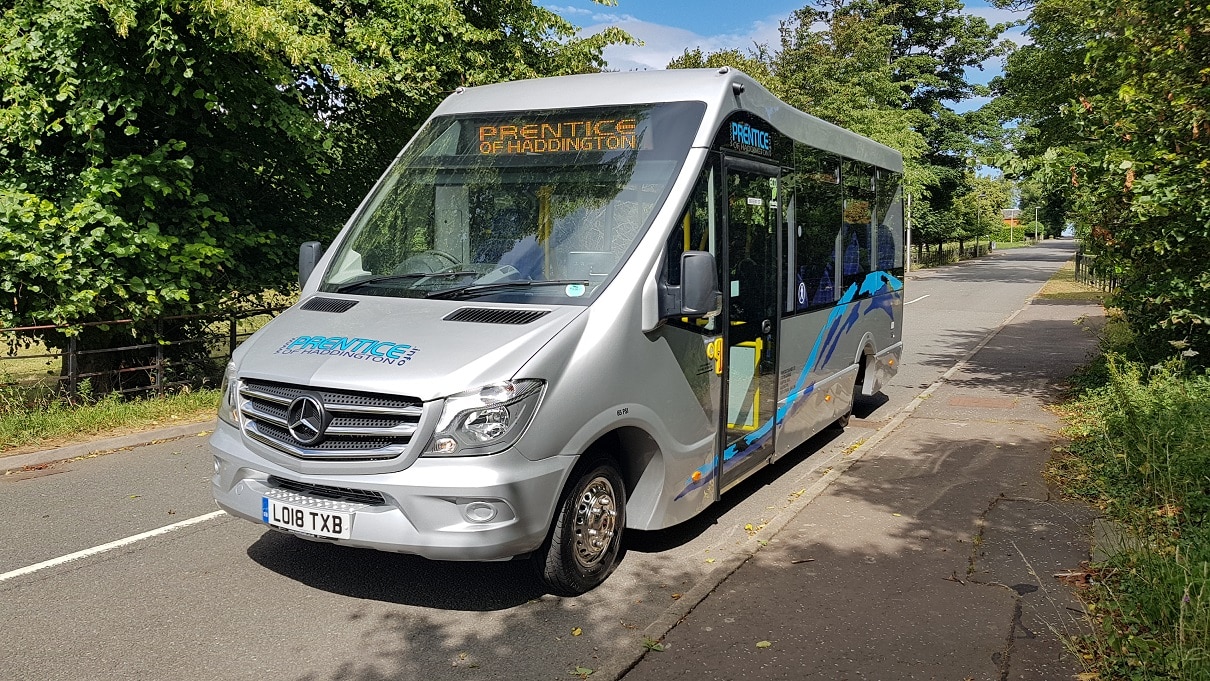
(153, 361)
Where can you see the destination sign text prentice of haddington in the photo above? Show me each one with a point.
(547, 138)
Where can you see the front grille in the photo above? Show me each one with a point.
(360, 496)
(360, 426)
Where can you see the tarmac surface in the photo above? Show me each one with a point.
(934, 555)
(929, 551)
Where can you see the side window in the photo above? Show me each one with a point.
(857, 237)
(888, 221)
(694, 230)
(817, 215)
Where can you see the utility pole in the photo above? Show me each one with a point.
(1035, 224)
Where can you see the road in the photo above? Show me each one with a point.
(224, 598)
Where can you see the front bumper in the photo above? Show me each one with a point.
(423, 508)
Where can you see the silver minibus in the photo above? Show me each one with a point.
(569, 307)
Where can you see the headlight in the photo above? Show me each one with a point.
(228, 406)
(486, 420)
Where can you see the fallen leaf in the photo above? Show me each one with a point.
(135, 496)
(582, 672)
(676, 596)
(763, 644)
(652, 644)
(709, 560)
(897, 515)
(577, 631)
(749, 528)
(802, 560)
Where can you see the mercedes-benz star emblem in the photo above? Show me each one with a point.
(307, 420)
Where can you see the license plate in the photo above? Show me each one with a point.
(321, 523)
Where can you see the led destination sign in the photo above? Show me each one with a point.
(559, 137)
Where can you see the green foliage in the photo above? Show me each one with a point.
(28, 418)
(1142, 439)
(158, 157)
(755, 62)
(1148, 191)
(1113, 105)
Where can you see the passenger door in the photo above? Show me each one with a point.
(751, 317)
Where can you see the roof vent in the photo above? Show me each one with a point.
(337, 305)
(488, 315)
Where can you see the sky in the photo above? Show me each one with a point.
(668, 27)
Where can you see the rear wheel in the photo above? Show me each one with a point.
(583, 546)
(843, 421)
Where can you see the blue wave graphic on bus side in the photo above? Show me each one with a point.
(875, 284)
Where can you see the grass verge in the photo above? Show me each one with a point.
(1063, 286)
(1141, 451)
(50, 422)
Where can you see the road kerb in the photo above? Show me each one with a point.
(49, 456)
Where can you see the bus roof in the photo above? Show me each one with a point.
(715, 87)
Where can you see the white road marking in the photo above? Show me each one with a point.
(918, 299)
(96, 550)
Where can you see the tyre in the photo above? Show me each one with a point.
(584, 543)
(843, 421)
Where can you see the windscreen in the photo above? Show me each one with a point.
(530, 206)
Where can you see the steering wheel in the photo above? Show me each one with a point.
(428, 262)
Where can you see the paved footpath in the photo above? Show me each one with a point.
(934, 556)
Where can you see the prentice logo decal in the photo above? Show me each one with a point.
(364, 349)
(748, 138)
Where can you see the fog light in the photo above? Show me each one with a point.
(479, 512)
(445, 445)
(217, 465)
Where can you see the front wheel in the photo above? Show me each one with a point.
(583, 546)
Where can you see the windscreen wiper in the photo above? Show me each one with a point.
(476, 289)
(399, 277)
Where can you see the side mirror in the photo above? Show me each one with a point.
(698, 295)
(308, 257)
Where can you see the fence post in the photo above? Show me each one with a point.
(159, 358)
(231, 335)
(73, 369)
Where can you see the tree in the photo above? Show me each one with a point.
(1113, 105)
(755, 63)
(159, 157)
(1147, 114)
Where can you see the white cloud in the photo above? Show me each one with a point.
(662, 44)
(564, 11)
